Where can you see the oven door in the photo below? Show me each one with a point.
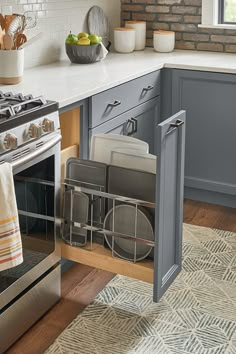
(37, 186)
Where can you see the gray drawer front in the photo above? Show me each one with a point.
(119, 125)
(110, 103)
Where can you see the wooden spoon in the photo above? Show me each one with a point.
(1, 38)
(19, 40)
(2, 22)
(7, 42)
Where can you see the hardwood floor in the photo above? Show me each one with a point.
(80, 284)
(209, 215)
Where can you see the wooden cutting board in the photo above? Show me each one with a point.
(98, 24)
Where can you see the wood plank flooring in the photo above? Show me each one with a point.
(80, 284)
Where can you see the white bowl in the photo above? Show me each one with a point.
(103, 144)
(134, 159)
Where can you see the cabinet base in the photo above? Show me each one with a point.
(210, 197)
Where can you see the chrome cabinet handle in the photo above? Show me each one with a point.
(149, 88)
(114, 104)
(177, 124)
(173, 126)
(134, 125)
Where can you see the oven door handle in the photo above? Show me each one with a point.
(33, 155)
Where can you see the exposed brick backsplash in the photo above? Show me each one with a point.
(183, 17)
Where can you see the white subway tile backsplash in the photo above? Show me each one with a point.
(56, 18)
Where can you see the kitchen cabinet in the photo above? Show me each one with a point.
(209, 100)
(163, 269)
(133, 109)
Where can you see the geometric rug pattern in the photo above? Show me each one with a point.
(197, 314)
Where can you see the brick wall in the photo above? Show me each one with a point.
(183, 17)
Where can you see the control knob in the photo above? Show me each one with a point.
(35, 130)
(48, 125)
(9, 142)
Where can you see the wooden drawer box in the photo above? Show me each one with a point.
(109, 104)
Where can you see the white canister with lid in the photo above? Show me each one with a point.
(124, 39)
(163, 41)
(140, 33)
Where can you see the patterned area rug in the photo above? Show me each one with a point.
(197, 315)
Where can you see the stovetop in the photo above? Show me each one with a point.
(17, 109)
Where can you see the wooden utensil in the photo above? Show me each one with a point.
(2, 22)
(1, 37)
(8, 20)
(7, 42)
(20, 39)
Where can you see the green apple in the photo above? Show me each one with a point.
(71, 38)
(94, 39)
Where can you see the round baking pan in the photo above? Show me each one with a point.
(124, 223)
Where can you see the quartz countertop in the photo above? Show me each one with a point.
(68, 83)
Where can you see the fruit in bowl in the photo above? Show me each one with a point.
(84, 48)
(83, 41)
(71, 38)
(94, 39)
(83, 38)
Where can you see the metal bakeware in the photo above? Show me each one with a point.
(129, 220)
(92, 175)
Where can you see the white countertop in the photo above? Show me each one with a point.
(68, 83)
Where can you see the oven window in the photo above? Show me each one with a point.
(35, 196)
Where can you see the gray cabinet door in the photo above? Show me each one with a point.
(210, 102)
(170, 148)
(169, 202)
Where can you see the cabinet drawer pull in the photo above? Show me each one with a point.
(114, 104)
(149, 88)
(134, 126)
(173, 126)
(177, 124)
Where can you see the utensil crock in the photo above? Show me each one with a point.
(11, 66)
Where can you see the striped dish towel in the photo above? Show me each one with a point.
(10, 237)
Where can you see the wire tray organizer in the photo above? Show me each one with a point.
(92, 216)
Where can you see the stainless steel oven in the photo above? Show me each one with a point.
(31, 288)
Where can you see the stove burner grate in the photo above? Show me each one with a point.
(13, 104)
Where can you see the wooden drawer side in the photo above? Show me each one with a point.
(101, 258)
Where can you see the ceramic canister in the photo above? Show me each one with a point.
(12, 66)
(140, 33)
(163, 41)
(124, 39)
